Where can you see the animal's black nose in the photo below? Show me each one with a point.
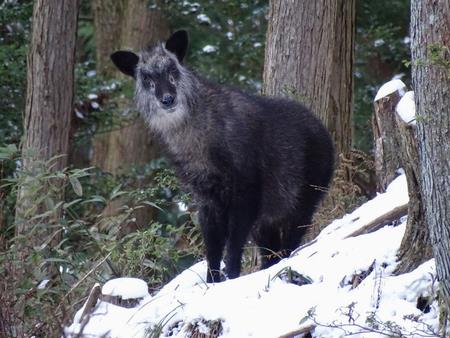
(167, 100)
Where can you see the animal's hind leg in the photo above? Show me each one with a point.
(267, 238)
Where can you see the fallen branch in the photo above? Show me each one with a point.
(382, 220)
(303, 331)
(300, 248)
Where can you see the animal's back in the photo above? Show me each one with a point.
(279, 144)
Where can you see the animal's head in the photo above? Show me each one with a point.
(163, 86)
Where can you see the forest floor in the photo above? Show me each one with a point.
(341, 284)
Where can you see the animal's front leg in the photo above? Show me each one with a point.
(241, 218)
(214, 229)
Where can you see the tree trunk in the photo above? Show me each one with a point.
(143, 26)
(49, 105)
(50, 92)
(50, 79)
(108, 16)
(339, 114)
(385, 130)
(430, 41)
(313, 60)
(130, 144)
(309, 55)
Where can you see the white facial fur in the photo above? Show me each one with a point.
(160, 119)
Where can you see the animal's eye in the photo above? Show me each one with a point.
(172, 68)
(171, 79)
(147, 81)
(145, 75)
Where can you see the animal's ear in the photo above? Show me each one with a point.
(178, 44)
(125, 61)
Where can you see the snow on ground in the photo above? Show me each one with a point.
(348, 288)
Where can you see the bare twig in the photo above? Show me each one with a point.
(91, 301)
(82, 280)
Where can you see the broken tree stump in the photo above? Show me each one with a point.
(387, 155)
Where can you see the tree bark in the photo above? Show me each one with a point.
(309, 53)
(50, 79)
(341, 92)
(430, 41)
(108, 16)
(415, 248)
(49, 105)
(130, 144)
(143, 26)
(50, 92)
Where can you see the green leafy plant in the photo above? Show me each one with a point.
(46, 280)
(15, 31)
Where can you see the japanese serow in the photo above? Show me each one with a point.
(255, 165)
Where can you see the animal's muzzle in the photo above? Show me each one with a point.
(167, 101)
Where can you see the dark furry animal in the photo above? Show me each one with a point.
(254, 164)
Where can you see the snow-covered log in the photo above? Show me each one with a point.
(125, 291)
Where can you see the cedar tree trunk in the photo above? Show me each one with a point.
(309, 55)
(430, 41)
(50, 92)
(48, 109)
(132, 143)
(415, 247)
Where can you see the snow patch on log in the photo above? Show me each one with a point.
(126, 288)
(389, 88)
(406, 108)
